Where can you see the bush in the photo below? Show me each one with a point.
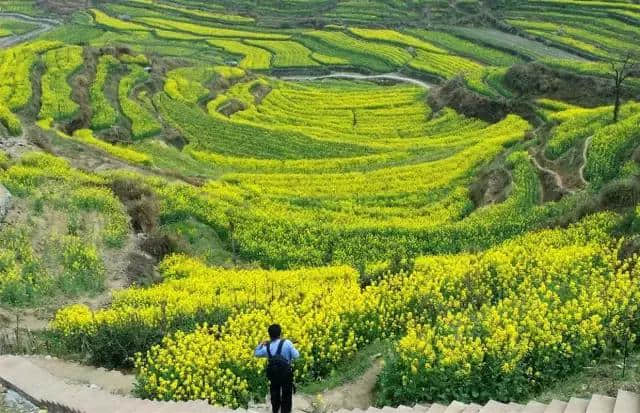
(10, 121)
(83, 269)
(140, 202)
(4, 160)
(104, 201)
(23, 280)
(159, 245)
(113, 341)
(515, 318)
(609, 148)
(620, 194)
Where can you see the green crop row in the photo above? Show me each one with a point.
(225, 137)
(286, 53)
(143, 123)
(56, 92)
(609, 149)
(10, 121)
(103, 113)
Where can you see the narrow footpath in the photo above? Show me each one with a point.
(45, 24)
(358, 76)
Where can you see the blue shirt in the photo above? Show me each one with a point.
(289, 352)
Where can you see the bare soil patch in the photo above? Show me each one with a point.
(231, 106)
(553, 187)
(16, 147)
(491, 187)
(260, 92)
(80, 83)
(358, 394)
(456, 95)
(64, 6)
(538, 80)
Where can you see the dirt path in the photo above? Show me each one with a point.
(44, 23)
(357, 394)
(556, 177)
(358, 76)
(587, 142)
(557, 180)
(15, 147)
(116, 262)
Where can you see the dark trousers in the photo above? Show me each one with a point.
(282, 395)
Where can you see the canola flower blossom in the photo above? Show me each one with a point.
(485, 324)
(322, 173)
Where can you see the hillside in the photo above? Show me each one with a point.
(453, 182)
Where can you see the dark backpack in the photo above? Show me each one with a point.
(278, 368)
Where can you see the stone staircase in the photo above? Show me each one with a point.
(48, 391)
(625, 402)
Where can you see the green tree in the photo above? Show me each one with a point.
(623, 66)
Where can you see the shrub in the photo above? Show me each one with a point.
(104, 201)
(83, 268)
(513, 319)
(10, 121)
(23, 280)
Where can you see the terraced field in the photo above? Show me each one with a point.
(441, 176)
(10, 27)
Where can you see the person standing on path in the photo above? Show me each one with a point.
(280, 354)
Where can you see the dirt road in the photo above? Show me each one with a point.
(358, 76)
(44, 24)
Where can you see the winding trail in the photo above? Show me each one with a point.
(584, 159)
(356, 394)
(556, 176)
(45, 24)
(358, 76)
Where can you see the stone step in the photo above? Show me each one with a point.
(627, 402)
(493, 406)
(421, 408)
(556, 406)
(472, 408)
(437, 408)
(534, 407)
(601, 404)
(576, 405)
(404, 409)
(140, 405)
(515, 407)
(41, 387)
(455, 407)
